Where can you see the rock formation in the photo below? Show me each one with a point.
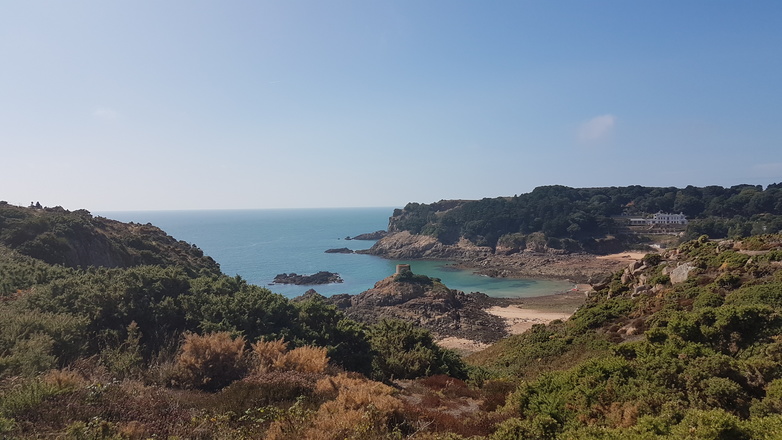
(343, 250)
(426, 302)
(321, 277)
(377, 235)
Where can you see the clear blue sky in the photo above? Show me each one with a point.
(135, 105)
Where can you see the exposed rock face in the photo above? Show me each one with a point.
(443, 311)
(549, 263)
(377, 235)
(579, 268)
(321, 277)
(404, 245)
(339, 251)
(681, 273)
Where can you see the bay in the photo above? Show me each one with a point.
(259, 244)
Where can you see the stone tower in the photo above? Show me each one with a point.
(401, 268)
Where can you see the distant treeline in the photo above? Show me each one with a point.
(576, 217)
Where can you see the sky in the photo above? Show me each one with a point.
(168, 105)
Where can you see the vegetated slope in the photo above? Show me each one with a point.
(76, 283)
(686, 344)
(78, 239)
(681, 345)
(580, 219)
(122, 352)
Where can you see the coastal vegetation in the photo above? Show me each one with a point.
(681, 344)
(592, 219)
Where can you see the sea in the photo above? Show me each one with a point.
(259, 244)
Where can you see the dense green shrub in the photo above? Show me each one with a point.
(404, 351)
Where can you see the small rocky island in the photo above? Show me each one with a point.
(343, 250)
(321, 277)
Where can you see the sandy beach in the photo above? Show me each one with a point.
(521, 314)
(629, 257)
(520, 320)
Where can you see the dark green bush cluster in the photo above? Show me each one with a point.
(404, 351)
(410, 277)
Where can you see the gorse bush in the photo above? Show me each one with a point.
(405, 352)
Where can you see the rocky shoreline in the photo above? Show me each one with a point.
(578, 268)
(529, 263)
(470, 321)
(448, 313)
(377, 235)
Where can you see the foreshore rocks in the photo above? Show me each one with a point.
(404, 245)
(529, 263)
(321, 277)
(377, 235)
(578, 268)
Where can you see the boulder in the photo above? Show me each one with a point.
(681, 273)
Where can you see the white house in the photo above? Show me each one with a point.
(660, 218)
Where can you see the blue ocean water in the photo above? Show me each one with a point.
(259, 244)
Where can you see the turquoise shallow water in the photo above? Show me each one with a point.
(259, 244)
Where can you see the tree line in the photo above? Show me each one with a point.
(576, 217)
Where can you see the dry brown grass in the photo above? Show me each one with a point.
(272, 356)
(64, 379)
(210, 361)
(304, 359)
(267, 353)
(358, 409)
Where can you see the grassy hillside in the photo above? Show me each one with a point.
(78, 239)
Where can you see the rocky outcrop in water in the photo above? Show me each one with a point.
(343, 250)
(321, 277)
